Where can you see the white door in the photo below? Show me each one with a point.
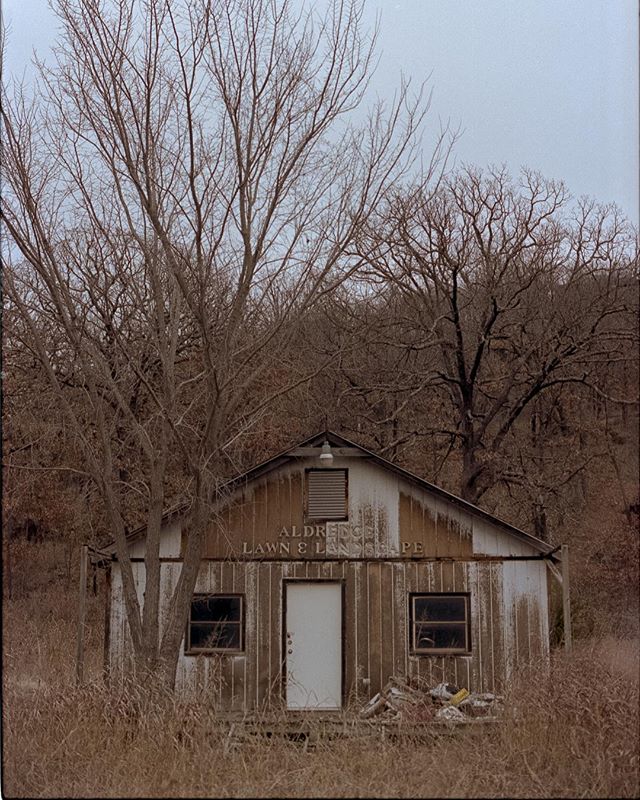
(313, 645)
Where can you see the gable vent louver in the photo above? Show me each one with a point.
(327, 494)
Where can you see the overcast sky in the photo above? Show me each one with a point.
(547, 84)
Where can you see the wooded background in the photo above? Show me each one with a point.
(206, 262)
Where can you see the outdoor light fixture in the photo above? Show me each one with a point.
(326, 456)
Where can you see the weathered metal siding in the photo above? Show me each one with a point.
(508, 625)
(389, 518)
(385, 512)
(525, 617)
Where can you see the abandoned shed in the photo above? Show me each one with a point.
(329, 569)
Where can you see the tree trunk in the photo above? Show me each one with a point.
(472, 469)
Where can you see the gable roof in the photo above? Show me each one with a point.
(335, 440)
(339, 441)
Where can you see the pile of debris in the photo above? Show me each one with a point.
(405, 700)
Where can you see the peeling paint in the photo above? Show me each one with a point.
(508, 607)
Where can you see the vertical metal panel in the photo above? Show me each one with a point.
(374, 501)
(542, 600)
(296, 501)
(466, 533)
(367, 616)
(266, 634)
(485, 627)
(498, 613)
(485, 538)
(442, 528)
(400, 620)
(275, 635)
(259, 507)
(415, 583)
(405, 517)
(430, 524)
(374, 625)
(251, 632)
(494, 612)
(362, 589)
(390, 599)
(272, 522)
(352, 652)
(240, 580)
(524, 605)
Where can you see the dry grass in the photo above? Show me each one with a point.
(40, 619)
(569, 731)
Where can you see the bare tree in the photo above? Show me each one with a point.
(517, 296)
(373, 388)
(182, 188)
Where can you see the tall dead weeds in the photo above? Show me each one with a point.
(569, 729)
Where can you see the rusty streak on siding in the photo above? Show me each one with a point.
(376, 627)
(509, 622)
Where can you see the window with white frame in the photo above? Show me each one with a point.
(440, 623)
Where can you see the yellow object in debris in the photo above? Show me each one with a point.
(459, 697)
